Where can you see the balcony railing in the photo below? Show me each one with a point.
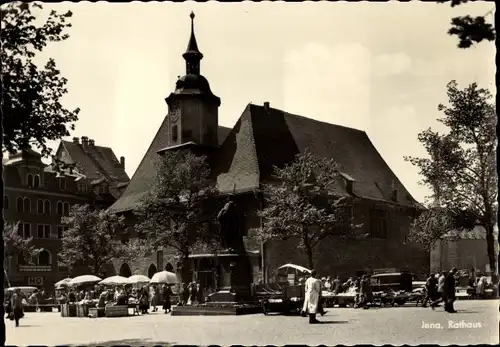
(35, 268)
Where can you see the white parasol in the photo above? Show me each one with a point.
(85, 279)
(62, 283)
(135, 279)
(296, 267)
(11, 289)
(165, 277)
(115, 281)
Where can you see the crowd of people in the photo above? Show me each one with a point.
(442, 287)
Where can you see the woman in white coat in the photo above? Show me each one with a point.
(312, 297)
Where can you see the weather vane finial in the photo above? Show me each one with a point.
(192, 15)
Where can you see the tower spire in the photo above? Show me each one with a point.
(192, 56)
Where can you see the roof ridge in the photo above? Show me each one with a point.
(252, 135)
(144, 156)
(310, 119)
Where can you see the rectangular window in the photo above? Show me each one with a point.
(43, 231)
(60, 231)
(378, 223)
(62, 183)
(40, 230)
(24, 230)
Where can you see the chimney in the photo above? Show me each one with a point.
(76, 140)
(91, 142)
(122, 161)
(266, 105)
(85, 141)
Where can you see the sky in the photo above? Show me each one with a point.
(378, 67)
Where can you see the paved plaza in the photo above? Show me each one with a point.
(393, 325)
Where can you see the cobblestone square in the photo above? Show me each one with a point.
(395, 325)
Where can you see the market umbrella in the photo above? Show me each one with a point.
(85, 279)
(115, 280)
(165, 277)
(62, 283)
(296, 267)
(11, 289)
(135, 279)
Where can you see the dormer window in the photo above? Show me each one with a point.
(103, 189)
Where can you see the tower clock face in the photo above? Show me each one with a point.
(175, 112)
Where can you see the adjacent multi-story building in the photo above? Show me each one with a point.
(38, 195)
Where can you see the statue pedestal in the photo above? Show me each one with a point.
(236, 279)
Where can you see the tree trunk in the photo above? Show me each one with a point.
(96, 268)
(183, 268)
(309, 253)
(490, 244)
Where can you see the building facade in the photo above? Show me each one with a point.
(242, 160)
(463, 249)
(37, 196)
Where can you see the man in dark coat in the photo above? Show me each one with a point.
(166, 298)
(449, 291)
(17, 306)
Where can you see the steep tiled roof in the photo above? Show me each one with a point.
(266, 137)
(145, 174)
(96, 162)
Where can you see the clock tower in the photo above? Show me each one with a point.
(193, 115)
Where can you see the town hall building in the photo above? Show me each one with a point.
(243, 158)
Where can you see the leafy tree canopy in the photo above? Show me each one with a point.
(470, 30)
(298, 204)
(92, 238)
(31, 98)
(178, 212)
(460, 167)
(16, 245)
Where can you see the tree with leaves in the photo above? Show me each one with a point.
(31, 95)
(92, 239)
(15, 245)
(470, 30)
(178, 213)
(460, 168)
(299, 204)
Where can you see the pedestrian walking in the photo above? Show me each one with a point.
(312, 297)
(431, 293)
(449, 291)
(144, 301)
(17, 306)
(166, 298)
(155, 296)
(481, 286)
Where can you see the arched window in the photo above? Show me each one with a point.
(59, 208)
(20, 204)
(29, 180)
(66, 209)
(46, 207)
(36, 181)
(44, 258)
(6, 202)
(27, 204)
(39, 206)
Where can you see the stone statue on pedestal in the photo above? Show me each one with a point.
(228, 218)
